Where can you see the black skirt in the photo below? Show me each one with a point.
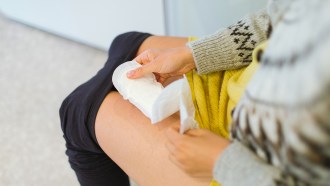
(78, 113)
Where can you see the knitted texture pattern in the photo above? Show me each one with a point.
(284, 114)
(210, 98)
(232, 47)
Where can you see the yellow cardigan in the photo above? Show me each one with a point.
(216, 94)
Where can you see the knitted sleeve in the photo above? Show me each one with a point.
(232, 47)
(238, 166)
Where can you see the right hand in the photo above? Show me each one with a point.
(196, 151)
(165, 63)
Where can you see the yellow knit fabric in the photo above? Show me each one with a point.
(216, 94)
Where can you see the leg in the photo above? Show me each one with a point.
(162, 42)
(129, 139)
(136, 145)
(150, 164)
(78, 113)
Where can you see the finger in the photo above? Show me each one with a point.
(193, 132)
(173, 134)
(174, 160)
(144, 58)
(176, 128)
(161, 79)
(172, 153)
(140, 58)
(170, 147)
(141, 71)
(158, 77)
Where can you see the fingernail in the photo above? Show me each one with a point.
(130, 73)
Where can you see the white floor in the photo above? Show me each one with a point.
(37, 70)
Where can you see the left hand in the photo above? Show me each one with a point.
(196, 151)
(165, 63)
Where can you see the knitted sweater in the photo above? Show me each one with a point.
(232, 47)
(262, 153)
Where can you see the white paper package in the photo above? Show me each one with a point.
(155, 101)
(187, 109)
(141, 92)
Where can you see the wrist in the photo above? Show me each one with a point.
(188, 58)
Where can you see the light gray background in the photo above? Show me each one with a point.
(203, 17)
(93, 22)
(38, 69)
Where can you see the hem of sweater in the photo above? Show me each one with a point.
(236, 160)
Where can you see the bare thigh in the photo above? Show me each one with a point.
(136, 145)
(162, 42)
(130, 140)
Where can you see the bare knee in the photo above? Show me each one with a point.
(117, 116)
(162, 42)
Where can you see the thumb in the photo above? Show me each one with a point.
(140, 72)
(173, 134)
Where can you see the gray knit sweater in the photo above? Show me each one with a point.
(232, 47)
(260, 154)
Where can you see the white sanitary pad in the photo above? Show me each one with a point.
(155, 101)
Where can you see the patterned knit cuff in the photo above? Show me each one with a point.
(230, 48)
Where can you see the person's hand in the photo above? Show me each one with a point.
(164, 63)
(196, 151)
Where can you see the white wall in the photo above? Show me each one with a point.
(97, 22)
(94, 22)
(202, 17)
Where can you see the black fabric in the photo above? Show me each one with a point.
(78, 113)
